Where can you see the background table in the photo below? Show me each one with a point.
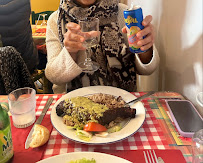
(38, 35)
(157, 132)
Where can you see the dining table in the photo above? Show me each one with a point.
(158, 132)
(38, 32)
(39, 37)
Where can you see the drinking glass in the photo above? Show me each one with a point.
(22, 104)
(199, 98)
(43, 20)
(90, 31)
(197, 147)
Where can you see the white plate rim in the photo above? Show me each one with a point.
(87, 155)
(102, 89)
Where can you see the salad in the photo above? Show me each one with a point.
(83, 160)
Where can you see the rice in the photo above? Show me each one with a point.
(80, 115)
(110, 101)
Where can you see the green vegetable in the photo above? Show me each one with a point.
(119, 126)
(70, 127)
(83, 111)
(114, 129)
(83, 160)
(83, 135)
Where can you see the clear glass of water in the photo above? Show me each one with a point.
(43, 20)
(197, 147)
(90, 31)
(22, 104)
(199, 98)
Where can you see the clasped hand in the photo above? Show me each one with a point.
(73, 38)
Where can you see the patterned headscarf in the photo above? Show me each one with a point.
(117, 63)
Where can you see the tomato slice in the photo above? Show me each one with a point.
(94, 127)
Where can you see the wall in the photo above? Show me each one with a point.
(44, 5)
(179, 42)
(148, 83)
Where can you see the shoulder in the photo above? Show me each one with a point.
(53, 17)
(52, 26)
(122, 7)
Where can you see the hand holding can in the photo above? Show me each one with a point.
(133, 21)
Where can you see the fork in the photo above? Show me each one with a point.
(149, 157)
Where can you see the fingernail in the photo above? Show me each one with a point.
(139, 43)
(81, 39)
(139, 35)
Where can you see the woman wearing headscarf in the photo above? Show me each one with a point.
(118, 66)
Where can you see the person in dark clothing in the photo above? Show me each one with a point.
(15, 30)
(14, 73)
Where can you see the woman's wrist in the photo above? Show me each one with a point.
(146, 57)
(73, 55)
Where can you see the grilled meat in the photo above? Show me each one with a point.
(61, 109)
(108, 115)
(112, 114)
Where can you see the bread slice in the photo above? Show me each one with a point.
(40, 136)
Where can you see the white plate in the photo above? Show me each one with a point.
(99, 157)
(128, 130)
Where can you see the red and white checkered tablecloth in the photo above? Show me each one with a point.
(149, 136)
(41, 101)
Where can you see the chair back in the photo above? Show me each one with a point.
(35, 16)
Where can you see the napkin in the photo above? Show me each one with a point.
(19, 137)
(137, 156)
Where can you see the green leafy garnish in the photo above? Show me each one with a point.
(83, 135)
(83, 160)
